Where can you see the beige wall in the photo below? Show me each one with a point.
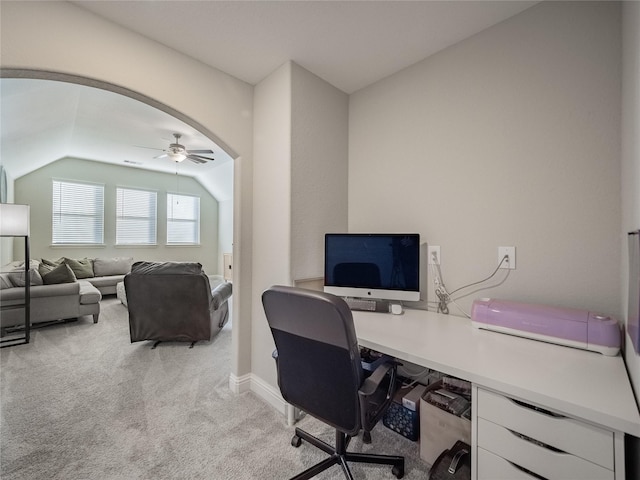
(319, 150)
(299, 190)
(271, 195)
(630, 160)
(509, 138)
(35, 189)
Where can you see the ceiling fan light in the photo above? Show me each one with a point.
(176, 157)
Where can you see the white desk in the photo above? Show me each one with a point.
(580, 384)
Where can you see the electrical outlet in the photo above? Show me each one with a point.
(434, 251)
(510, 262)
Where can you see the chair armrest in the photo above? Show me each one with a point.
(373, 382)
(220, 294)
(375, 396)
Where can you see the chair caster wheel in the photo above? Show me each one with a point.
(296, 441)
(398, 471)
(366, 437)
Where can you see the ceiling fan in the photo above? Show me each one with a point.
(178, 153)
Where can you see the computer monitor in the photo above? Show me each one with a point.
(373, 265)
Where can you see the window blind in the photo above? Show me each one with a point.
(183, 219)
(136, 217)
(78, 213)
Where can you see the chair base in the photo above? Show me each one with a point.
(340, 456)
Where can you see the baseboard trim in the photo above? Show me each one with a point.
(240, 384)
(250, 382)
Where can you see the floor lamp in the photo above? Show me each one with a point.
(14, 222)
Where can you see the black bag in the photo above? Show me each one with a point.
(453, 464)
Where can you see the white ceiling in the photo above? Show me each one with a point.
(43, 121)
(350, 44)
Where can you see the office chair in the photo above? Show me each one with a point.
(320, 372)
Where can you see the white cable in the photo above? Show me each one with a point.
(444, 297)
(439, 288)
(485, 288)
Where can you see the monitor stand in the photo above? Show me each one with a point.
(371, 305)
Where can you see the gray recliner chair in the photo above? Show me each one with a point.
(173, 301)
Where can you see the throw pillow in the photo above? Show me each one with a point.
(5, 281)
(19, 264)
(81, 268)
(52, 263)
(45, 268)
(60, 274)
(112, 266)
(18, 279)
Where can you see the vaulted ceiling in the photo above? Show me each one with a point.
(350, 44)
(44, 120)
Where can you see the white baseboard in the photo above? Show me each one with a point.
(250, 382)
(240, 384)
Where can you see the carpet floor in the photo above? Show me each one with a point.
(81, 402)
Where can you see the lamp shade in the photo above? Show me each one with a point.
(176, 156)
(14, 220)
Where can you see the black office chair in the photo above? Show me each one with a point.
(320, 372)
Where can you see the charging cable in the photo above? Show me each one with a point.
(445, 297)
(439, 287)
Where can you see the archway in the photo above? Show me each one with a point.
(9, 73)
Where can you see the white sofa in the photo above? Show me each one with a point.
(71, 298)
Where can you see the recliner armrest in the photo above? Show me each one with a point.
(220, 294)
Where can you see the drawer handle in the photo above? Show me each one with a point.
(528, 472)
(535, 442)
(541, 410)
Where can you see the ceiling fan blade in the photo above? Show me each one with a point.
(164, 155)
(150, 148)
(210, 152)
(199, 159)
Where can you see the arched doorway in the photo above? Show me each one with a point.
(7, 73)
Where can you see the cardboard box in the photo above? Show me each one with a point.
(439, 430)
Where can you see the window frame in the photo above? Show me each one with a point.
(61, 236)
(154, 218)
(196, 222)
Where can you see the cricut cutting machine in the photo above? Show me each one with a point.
(563, 326)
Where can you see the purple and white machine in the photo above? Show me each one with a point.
(563, 326)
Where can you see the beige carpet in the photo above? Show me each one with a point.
(82, 402)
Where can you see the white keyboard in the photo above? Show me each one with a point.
(367, 305)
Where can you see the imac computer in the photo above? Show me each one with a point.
(377, 266)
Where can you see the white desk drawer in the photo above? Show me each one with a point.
(564, 433)
(551, 464)
(493, 467)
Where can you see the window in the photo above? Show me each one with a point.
(183, 219)
(78, 213)
(136, 219)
